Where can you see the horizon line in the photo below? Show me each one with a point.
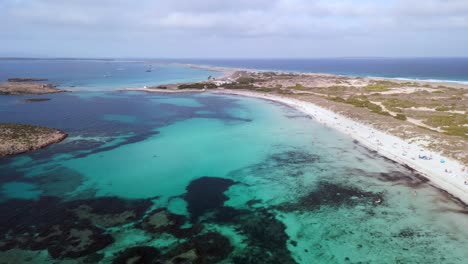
(229, 58)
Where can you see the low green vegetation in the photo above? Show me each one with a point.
(239, 86)
(398, 103)
(420, 93)
(451, 124)
(246, 80)
(198, 86)
(447, 120)
(381, 86)
(269, 74)
(249, 86)
(299, 86)
(360, 101)
(281, 91)
(337, 99)
(426, 128)
(337, 89)
(264, 89)
(376, 88)
(461, 131)
(395, 109)
(442, 108)
(401, 117)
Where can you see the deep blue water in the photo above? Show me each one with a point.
(448, 69)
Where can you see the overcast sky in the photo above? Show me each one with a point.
(233, 29)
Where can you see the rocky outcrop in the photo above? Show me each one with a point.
(19, 138)
(28, 88)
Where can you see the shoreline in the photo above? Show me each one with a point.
(386, 145)
(443, 173)
(448, 176)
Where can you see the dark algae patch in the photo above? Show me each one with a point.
(205, 194)
(328, 194)
(204, 249)
(163, 221)
(64, 229)
(35, 100)
(266, 236)
(109, 211)
(289, 158)
(141, 255)
(81, 229)
(267, 239)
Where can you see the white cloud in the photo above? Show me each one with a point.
(242, 16)
(229, 20)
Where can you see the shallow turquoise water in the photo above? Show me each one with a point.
(100, 75)
(263, 182)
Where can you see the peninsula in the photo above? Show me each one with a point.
(20, 138)
(420, 124)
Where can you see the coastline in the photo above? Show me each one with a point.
(389, 146)
(443, 173)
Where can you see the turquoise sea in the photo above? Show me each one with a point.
(206, 178)
(100, 74)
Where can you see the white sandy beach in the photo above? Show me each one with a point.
(444, 173)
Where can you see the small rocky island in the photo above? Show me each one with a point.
(27, 80)
(27, 86)
(20, 138)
